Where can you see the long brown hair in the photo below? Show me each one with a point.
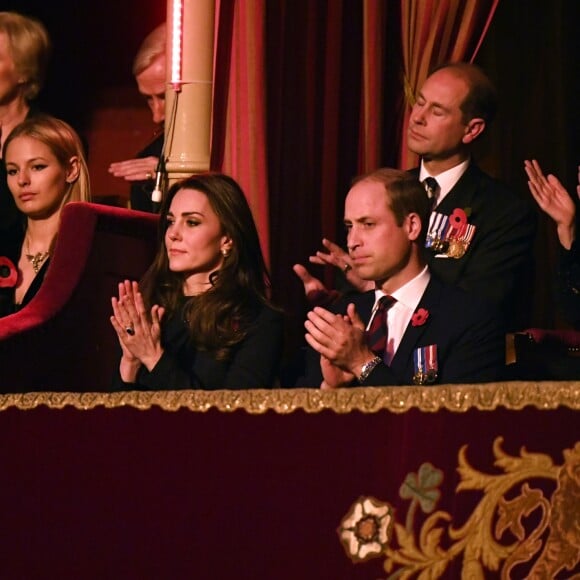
(218, 319)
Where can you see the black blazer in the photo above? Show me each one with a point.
(141, 190)
(466, 329)
(253, 364)
(11, 248)
(569, 284)
(500, 258)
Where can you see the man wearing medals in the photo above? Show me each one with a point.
(480, 235)
(410, 328)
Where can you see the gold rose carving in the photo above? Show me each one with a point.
(496, 537)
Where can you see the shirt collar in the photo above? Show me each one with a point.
(447, 179)
(409, 295)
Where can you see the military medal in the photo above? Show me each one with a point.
(425, 365)
(438, 224)
(456, 249)
(450, 235)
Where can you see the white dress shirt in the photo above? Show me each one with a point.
(400, 313)
(445, 180)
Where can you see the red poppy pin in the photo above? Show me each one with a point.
(420, 317)
(8, 273)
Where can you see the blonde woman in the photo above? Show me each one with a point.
(46, 169)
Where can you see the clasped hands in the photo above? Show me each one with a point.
(340, 341)
(138, 331)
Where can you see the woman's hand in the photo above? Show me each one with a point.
(554, 200)
(340, 259)
(138, 331)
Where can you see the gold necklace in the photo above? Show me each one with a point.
(35, 259)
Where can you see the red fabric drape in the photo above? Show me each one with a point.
(372, 101)
(433, 32)
(239, 124)
(314, 72)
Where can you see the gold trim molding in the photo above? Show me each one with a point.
(455, 398)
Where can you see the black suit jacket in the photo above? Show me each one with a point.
(11, 248)
(466, 329)
(569, 283)
(254, 362)
(499, 261)
(141, 190)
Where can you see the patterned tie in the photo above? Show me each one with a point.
(377, 334)
(432, 189)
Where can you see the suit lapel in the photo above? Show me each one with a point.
(364, 305)
(404, 355)
(462, 193)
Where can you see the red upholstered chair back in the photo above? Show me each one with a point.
(63, 339)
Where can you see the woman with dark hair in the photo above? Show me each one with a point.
(201, 317)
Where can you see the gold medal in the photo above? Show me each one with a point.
(456, 249)
(419, 378)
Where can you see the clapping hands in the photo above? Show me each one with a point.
(138, 331)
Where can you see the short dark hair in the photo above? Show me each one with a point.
(406, 195)
(481, 100)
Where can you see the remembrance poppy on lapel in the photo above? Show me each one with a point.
(420, 317)
(8, 273)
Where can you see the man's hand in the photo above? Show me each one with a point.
(333, 376)
(338, 338)
(140, 169)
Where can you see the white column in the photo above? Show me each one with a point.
(188, 127)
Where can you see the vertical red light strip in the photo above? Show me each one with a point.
(177, 44)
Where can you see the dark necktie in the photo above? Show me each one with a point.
(378, 333)
(432, 189)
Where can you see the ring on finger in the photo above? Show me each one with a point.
(346, 268)
(130, 330)
(149, 176)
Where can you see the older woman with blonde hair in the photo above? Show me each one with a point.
(24, 53)
(46, 169)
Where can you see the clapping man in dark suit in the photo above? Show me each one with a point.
(494, 255)
(426, 332)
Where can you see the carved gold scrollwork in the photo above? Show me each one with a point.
(496, 536)
(455, 398)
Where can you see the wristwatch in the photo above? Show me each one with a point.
(368, 367)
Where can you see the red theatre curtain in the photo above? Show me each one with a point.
(314, 86)
(372, 97)
(433, 32)
(239, 122)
